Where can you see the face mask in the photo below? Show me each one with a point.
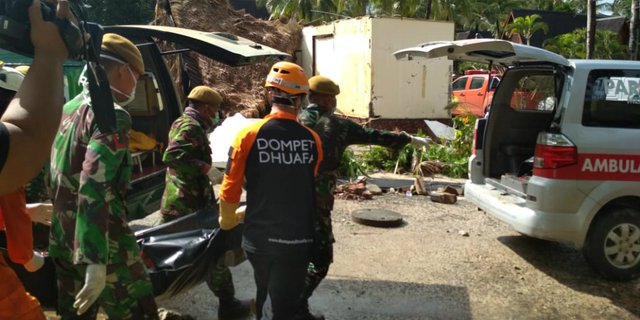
(131, 96)
(215, 120)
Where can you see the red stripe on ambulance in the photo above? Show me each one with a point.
(591, 166)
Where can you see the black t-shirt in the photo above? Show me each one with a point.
(280, 191)
(4, 145)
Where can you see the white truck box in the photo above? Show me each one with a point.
(358, 54)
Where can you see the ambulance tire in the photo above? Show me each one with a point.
(612, 246)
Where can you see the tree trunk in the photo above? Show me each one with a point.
(428, 15)
(634, 26)
(591, 28)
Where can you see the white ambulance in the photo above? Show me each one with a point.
(558, 156)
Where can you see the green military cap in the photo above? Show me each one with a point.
(119, 48)
(323, 85)
(205, 94)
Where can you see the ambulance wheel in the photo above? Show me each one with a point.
(612, 246)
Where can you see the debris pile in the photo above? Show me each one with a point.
(354, 191)
(241, 86)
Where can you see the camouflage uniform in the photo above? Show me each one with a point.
(336, 135)
(89, 174)
(36, 190)
(188, 189)
(188, 157)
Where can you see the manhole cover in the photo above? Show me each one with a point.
(377, 217)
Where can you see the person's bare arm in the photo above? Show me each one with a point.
(33, 117)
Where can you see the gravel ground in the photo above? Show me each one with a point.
(444, 262)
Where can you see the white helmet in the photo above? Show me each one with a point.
(10, 78)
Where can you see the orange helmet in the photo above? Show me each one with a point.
(288, 77)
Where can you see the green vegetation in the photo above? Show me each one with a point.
(573, 45)
(526, 27)
(112, 12)
(452, 154)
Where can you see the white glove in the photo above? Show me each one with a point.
(94, 281)
(36, 262)
(419, 142)
(215, 175)
(40, 212)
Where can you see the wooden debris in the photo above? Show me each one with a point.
(420, 187)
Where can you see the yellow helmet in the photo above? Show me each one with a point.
(288, 77)
(10, 78)
(23, 69)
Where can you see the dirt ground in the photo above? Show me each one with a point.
(444, 262)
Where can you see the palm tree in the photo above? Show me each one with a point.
(634, 27)
(591, 28)
(526, 26)
(299, 9)
(489, 15)
(620, 7)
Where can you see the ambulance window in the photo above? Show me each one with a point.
(534, 93)
(612, 99)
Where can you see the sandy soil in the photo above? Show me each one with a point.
(444, 262)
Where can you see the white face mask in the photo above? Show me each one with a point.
(131, 96)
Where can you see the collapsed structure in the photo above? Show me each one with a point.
(242, 87)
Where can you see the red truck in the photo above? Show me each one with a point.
(472, 92)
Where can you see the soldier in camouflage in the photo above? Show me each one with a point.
(188, 157)
(95, 253)
(189, 183)
(336, 135)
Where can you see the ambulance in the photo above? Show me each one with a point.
(562, 163)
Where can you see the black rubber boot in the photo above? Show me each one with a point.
(235, 309)
(304, 313)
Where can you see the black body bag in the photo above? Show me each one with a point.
(180, 254)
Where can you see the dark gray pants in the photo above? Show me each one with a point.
(279, 281)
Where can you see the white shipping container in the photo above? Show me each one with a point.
(358, 54)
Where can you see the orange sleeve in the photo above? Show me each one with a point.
(231, 188)
(18, 226)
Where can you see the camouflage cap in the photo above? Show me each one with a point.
(120, 48)
(324, 85)
(206, 95)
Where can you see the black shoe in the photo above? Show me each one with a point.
(306, 315)
(236, 309)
